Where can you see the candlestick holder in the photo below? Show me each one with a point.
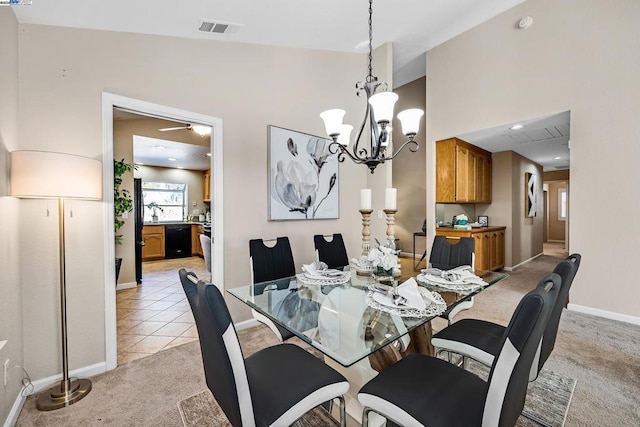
(391, 227)
(391, 231)
(363, 268)
(366, 232)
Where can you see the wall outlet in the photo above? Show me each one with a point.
(125, 215)
(5, 372)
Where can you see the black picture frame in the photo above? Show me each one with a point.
(483, 220)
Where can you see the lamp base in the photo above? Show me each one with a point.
(55, 397)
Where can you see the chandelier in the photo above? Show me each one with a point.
(378, 115)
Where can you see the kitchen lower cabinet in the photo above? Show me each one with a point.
(153, 238)
(489, 245)
(196, 247)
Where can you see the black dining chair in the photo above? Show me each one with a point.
(445, 256)
(480, 340)
(274, 386)
(422, 390)
(331, 250)
(274, 264)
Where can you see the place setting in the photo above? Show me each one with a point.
(405, 300)
(318, 273)
(459, 279)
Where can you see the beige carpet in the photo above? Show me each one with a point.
(202, 410)
(602, 355)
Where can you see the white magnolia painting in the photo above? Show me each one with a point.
(303, 176)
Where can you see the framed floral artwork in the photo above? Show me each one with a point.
(303, 176)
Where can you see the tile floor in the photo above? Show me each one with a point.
(156, 314)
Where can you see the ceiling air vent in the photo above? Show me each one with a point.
(217, 27)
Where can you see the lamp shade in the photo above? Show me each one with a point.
(382, 104)
(410, 120)
(43, 174)
(333, 120)
(345, 135)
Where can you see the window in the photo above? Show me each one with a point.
(562, 204)
(170, 200)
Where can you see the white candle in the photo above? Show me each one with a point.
(390, 198)
(365, 199)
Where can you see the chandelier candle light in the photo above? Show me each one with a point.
(379, 114)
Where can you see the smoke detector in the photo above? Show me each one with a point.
(525, 22)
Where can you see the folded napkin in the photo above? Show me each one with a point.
(319, 270)
(410, 291)
(462, 274)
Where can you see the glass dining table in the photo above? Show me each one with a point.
(356, 336)
(340, 320)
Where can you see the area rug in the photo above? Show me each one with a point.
(202, 410)
(548, 400)
(548, 397)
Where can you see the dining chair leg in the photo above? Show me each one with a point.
(365, 416)
(343, 412)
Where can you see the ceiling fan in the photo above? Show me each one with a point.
(201, 130)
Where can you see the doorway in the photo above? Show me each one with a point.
(110, 102)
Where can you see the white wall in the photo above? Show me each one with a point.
(579, 55)
(10, 290)
(63, 74)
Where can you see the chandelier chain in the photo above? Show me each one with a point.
(370, 76)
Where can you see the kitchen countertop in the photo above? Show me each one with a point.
(451, 232)
(175, 223)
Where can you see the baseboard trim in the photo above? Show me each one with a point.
(634, 320)
(128, 285)
(86, 371)
(44, 383)
(12, 417)
(522, 263)
(246, 324)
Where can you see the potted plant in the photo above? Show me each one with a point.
(122, 202)
(156, 208)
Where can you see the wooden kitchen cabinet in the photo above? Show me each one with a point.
(153, 238)
(463, 172)
(206, 186)
(196, 247)
(489, 245)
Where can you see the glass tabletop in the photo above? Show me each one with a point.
(338, 319)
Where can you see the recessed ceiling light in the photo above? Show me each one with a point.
(179, 167)
(208, 154)
(516, 127)
(160, 147)
(557, 158)
(171, 159)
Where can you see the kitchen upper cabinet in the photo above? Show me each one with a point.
(463, 172)
(153, 238)
(483, 176)
(206, 186)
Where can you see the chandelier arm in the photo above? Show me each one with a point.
(342, 151)
(415, 146)
(356, 150)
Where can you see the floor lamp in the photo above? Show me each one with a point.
(41, 174)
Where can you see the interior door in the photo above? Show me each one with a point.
(138, 213)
